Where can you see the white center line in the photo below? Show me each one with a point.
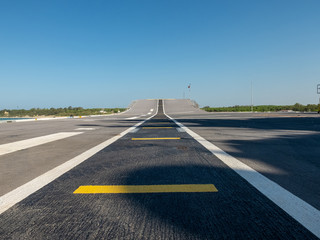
(32, 142)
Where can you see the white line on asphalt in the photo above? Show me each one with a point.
(300, 210)
(180, 129)
(150, 112)
(132, 118)
(135, 130)
(85, 129)
(32, 142)
(20, 193)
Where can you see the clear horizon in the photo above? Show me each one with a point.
(109, 53)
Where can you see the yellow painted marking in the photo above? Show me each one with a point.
(154, 127)
(145, 188)
(165, 138)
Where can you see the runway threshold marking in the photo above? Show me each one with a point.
(33, 142)
(164, 138)
(110, 189)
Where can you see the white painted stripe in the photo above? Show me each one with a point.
(10, 199)
(300, 210)
(135, 130)
(41, 119)
(85, 129)
(180, 129)
(32, 142)
(132, 118)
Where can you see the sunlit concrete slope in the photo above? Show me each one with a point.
(181, 106)
(142, 106)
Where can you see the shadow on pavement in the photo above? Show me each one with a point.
(284, 123)
(236, 211)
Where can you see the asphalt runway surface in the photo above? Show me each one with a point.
(22, 166)
(285, 147)
(160, 153)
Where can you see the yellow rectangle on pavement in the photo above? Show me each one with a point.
(93, 189)
(165, 138)
(154, 127)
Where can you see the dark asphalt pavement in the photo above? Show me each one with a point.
(236, 211)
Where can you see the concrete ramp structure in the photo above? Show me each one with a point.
(181, 106)
(142, 107)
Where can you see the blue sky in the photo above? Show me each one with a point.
(108, 53)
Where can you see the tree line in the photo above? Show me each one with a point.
(266, 108)
(70, 111)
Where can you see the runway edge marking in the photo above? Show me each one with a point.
(15, 196)
(300, 210)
